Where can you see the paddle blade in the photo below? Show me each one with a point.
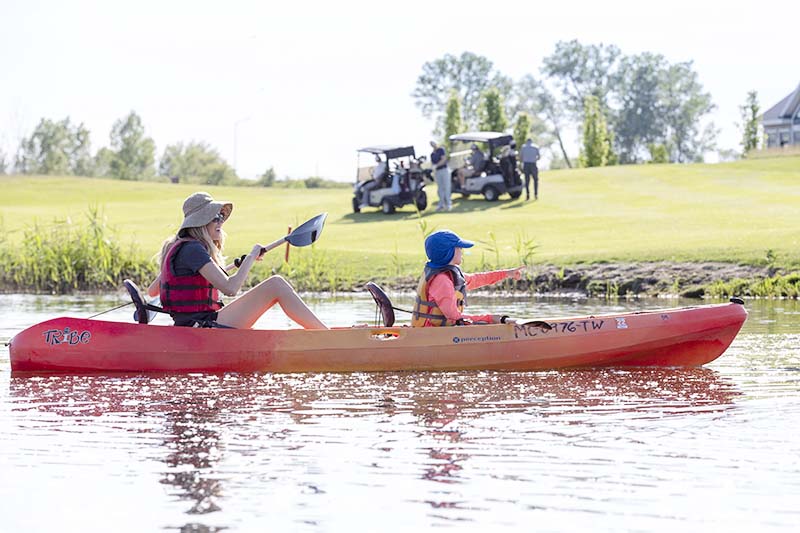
(308, 232)
(544, 326)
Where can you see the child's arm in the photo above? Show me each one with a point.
(481, 279)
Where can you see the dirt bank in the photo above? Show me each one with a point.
(643, 279)
(652, 279)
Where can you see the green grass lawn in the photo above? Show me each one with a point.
(732, 212)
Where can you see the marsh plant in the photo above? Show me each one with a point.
(422, 224)
(493, 250)
(67, 256)
(525, 247)
(309, 270)
(780, 286)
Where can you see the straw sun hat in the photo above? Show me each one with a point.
(200, 208)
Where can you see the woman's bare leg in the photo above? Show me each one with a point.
(247, 308)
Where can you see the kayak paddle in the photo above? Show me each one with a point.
(306, 233)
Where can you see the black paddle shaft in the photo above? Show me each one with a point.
(305, 234)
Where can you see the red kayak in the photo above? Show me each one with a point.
(687, 336)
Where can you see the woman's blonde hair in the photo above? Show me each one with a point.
(201, 234)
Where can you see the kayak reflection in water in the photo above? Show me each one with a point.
(442, 290)
(193, 273)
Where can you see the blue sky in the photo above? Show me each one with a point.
(301, 86)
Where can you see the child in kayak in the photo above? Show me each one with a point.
(193, 273)
(442, 290)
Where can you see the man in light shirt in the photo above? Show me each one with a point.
(529, 156)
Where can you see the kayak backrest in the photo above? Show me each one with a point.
(382, 301)
(140, 315)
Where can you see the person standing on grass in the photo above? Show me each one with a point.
(193, 273)
(441, 172)
(529, 156)
(442, 289)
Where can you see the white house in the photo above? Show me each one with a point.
(782, 121)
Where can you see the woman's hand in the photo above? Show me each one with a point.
(515, 273)
(257, 252)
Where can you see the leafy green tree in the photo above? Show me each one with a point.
(102, 162)
(684, 105)
(613, 158)
(134, 154)
(267, 179)
(452, 118)
(595, 135)
(658, 153)
(532, 97)
(195, 162)
(492, 112)
(468, 74)
(749, 112)
(639, 120)
(55, 147)
(582, 70)
(220, 173)
(522, 128)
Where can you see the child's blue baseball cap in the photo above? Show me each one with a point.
(440, 247)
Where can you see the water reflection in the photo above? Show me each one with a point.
(644, 448)
(195, 449)
(188, 420)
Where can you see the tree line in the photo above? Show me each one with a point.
(60, 147)
(626, 109)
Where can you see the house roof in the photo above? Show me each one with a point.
(783, 110)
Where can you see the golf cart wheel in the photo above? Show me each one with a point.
(387, 207)
(516, 194)
(422, 201)
(490, 193)
(356, 207)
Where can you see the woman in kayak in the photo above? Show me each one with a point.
(442, 290)
(193, 273)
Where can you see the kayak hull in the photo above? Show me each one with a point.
(688, 336)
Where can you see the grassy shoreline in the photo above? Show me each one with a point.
(742, 213)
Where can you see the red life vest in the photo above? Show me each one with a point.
(185, 294)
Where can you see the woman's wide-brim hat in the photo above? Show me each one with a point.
(200, 208)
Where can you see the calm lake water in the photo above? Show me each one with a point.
(706, 449)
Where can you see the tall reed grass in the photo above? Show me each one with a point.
(86, 255)
(67, 256)
(779, 286)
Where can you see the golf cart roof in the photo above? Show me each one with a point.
(493, 138)
(392, 151)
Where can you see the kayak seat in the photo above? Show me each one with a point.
(144, 312)
(384, 305)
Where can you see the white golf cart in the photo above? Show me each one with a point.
(499, 173)
(393, 179)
